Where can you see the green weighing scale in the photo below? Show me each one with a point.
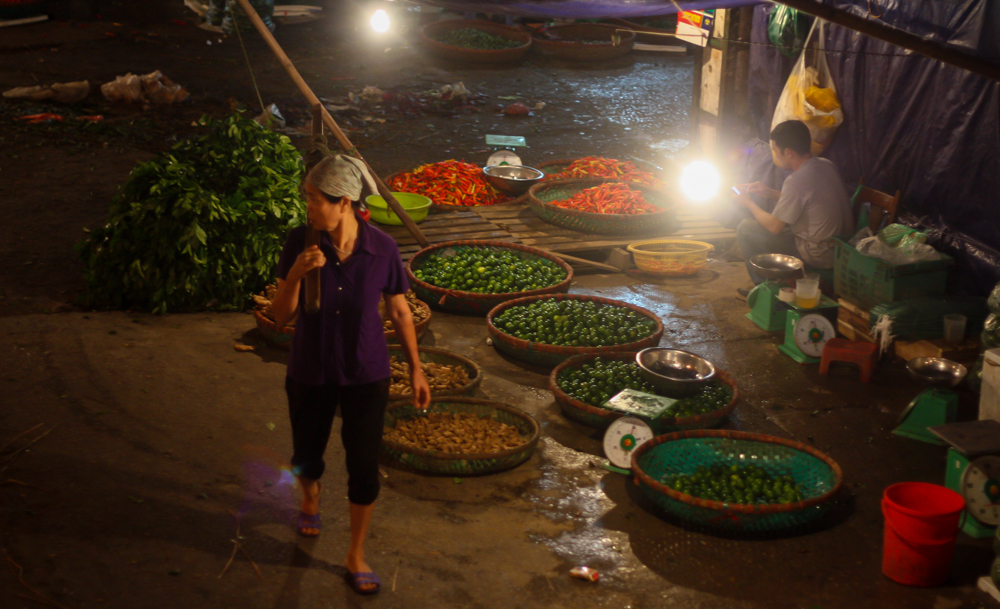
(626, 434)
(806, 330)
(973, 471)
(935, 406)
(505, 149)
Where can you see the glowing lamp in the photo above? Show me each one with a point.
(700, 181)
(380, 21)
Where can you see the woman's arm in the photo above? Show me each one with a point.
(285, 303)
(402, 321)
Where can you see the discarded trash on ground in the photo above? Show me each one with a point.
(585, 573)
(153, 87)
(64, 93)
(271, 118)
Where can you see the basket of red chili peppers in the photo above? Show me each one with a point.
(596, 205)
(449, 184)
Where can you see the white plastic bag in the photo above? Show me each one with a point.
(810, 95)
(872, 245)
(153, 87)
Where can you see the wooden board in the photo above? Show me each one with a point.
(518, 224)
(966, 351)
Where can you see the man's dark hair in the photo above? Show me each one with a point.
(792, 134)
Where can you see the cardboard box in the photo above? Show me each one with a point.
(963, 352)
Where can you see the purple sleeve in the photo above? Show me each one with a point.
(395, 277)
(293, 247)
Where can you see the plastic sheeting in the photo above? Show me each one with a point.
(584, 9)
(911, 123)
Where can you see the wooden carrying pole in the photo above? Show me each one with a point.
(312, 278)
(329, 122)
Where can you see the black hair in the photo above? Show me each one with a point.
(793, 134)
(336, 200)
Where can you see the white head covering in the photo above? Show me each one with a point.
(339, 175)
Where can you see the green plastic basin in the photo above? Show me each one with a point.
(415, 206)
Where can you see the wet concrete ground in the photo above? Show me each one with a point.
(159, 433)
(160, 430)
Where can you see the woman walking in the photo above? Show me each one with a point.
(339, 355)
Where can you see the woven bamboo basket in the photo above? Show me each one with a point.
(817, 475)
(542, 194)
(441, 356)
(420, 327)
(431, 31)
(548, 356)
(473, 303)
(670, 257)
(603, 42)
(647, 34)
(593, 415)
(450, 464)
(283, 339)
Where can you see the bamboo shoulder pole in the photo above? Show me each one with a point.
(329, 122)
(312, 278)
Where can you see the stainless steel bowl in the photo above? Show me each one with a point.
(674, 372)
(776, 266)
(936, 371)
(515, 179)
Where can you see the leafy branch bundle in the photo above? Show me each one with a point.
(200, 226)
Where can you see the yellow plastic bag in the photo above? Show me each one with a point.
(810, 95)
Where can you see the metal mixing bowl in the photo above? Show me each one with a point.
(936, 371)
(776, 266)
(515, 179)
(694, 372)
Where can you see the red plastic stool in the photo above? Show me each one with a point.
(853, 351)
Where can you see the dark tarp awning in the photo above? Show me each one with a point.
(912, 123)
(584, 9)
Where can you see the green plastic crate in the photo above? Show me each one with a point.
(868, 281)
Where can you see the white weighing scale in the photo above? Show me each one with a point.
(626, 434)
(504, 147)
(973, 471)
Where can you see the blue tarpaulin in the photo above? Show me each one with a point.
(911, 123)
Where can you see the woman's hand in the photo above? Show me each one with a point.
(310, 258)
(421, 390)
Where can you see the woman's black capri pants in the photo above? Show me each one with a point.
(362, 407)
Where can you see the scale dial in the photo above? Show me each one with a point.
(981, 489)
(812, 331)
(622, 437)
(503, 156)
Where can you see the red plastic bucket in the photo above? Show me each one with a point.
(921, 523)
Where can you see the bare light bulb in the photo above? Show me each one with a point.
(380, 21)
(700, 181)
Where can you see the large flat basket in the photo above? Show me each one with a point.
(541, 196)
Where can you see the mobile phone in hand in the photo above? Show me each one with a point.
(737, 190)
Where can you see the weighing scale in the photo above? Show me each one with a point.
(935, 406)
(806, 330)
(973, 471)
(766, 308)
(626, 434)
(505, 149)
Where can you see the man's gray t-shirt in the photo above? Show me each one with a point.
(815, 205)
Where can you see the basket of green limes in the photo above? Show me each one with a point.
(471, 277)
(547, 330)
(736, 481)
(583, 383)
(475, 41)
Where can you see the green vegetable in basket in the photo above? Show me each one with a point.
(472, 38)
(740, 484)
(574, 323)
(485, 270)
(598, 380)
(713, 397)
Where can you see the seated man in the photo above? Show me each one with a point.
(812, 207)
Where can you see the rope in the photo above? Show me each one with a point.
(236, 26)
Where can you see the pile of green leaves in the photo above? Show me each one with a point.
(200, 226)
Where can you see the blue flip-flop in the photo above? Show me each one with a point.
(309, 521)
(356, 580)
